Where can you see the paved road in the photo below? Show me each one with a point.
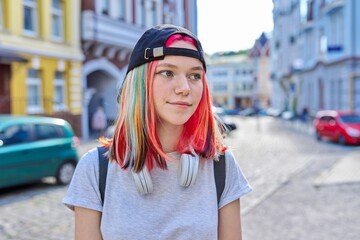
(281, 164)
(36, 212)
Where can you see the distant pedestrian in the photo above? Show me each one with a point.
(160, 179)
(305, 114)
(99, 121)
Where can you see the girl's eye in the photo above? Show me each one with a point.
(195, 76)
(166, 73)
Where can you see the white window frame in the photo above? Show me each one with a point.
(60, 82)
(33, 5)
(57, 13)
(34, 81)
(1, 14)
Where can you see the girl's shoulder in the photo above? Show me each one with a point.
(89, 160)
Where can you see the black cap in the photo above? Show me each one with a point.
(151, 46)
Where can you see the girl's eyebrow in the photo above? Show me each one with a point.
(200, 68)
(197, 68)
(167, 65)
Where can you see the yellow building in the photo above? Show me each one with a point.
(41, 59)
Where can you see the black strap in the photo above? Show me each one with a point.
(219, 173)
(103, 167)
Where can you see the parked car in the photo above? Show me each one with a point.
(340, 126)
(221, 113)
(248, 112)
(288, 115)
(34, 147)
(273, 112)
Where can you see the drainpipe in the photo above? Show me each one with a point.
(353, 74)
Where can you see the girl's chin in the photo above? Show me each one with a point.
(175, 122)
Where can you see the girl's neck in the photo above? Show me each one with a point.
(169, 137)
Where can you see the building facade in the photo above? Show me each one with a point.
(323, 71)
(240, 80)
(231, 80)
(109, 30)
(41, 59)
(260, 57)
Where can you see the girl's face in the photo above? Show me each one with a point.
(177, 87)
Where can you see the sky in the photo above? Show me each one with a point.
(232, 25)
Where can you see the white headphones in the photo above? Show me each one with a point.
(188, 169)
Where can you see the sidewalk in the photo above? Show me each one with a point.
(86, 145)
(346, 170)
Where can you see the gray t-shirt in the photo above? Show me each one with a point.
(169, 212)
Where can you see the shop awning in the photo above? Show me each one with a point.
(7, 56)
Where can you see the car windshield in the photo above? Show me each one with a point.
(350, 118)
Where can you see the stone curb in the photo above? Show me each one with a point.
(345, 171)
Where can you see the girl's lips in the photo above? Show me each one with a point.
(181, 104)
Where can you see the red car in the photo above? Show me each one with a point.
(340, 126)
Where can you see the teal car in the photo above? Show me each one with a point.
(34, 147)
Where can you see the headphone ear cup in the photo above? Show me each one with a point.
(188, 169)
(143, 181)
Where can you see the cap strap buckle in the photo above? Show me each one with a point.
(145, 53)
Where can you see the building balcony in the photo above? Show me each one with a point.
(332, 6)
(110, 32)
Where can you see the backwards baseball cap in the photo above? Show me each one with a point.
(151, 46)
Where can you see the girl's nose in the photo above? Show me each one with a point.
(182, 86)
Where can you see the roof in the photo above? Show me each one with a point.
(5, 118)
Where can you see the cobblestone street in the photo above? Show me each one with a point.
(281, 164)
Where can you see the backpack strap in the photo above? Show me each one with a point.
(103, 167)
(220, 174)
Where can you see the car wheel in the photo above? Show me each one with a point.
(318, 137)
(342, 140)
(65, 173)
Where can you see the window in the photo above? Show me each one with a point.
(220, 73)
(14, 135)
(332, 94)
(336, 33)
(220, 87)
(34, 101)
(1, 14)
(57, 17)
(59, 92)
(154, 17)
(356, 92)
(303, 10)
(121, 9)
(338, 94)
(309, 44)
(105, 7)
(141, 13)
(30, 17)
(322, 42)
(46, 131)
